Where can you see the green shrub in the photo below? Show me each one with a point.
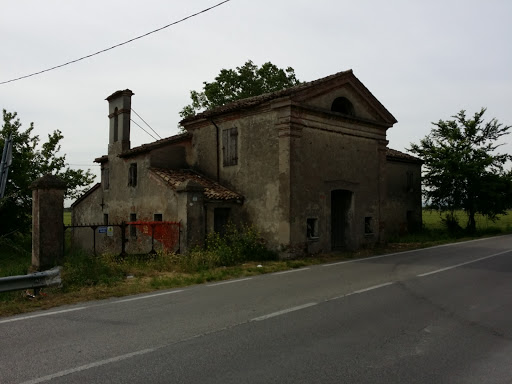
(237, 245)
(81, 270)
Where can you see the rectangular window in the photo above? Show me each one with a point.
(230, 146)
(105, 219)
(410, 180)
(368, 225)
(132, 175)
(312, 228)
(133, 228)
(220, 220)
(157, 217)
(105, 178)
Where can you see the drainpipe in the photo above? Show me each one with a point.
(217, 148)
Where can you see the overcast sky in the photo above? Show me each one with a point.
(424, 60)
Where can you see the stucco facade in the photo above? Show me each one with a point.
(308, 166)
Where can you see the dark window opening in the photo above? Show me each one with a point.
(132, 175)
(312, 228)
(368, 225)
(410, 181)
(230, 146)
(105, 178)
(116, 125)
(157, 217)
(105, 219)
(221, 220)
(133, 228)
(343, 105)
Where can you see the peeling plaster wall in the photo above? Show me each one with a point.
(334, 154)
(403, 197)
(256, 174)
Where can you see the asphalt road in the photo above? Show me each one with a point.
(439, 315)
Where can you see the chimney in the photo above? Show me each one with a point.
(119, 109)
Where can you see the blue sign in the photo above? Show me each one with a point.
(102, 230)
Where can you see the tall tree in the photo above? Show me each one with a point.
(29, 162)
(462, 169)
(240, 83)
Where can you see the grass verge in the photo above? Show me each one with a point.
(240, 254)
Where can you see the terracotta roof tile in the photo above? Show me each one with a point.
(213, 190)
(256, 100)
(393, 153)
(156, 144)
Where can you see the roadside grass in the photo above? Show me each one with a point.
(241, 254)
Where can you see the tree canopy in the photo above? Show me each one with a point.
(235, 84)
(462, 169)
(30, 160)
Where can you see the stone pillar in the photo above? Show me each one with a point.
(47, 222)
(191, 213)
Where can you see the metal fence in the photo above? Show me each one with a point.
(135, 237)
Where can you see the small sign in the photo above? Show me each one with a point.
(102, 230)
(110, 231)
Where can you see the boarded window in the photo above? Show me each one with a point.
(133, 228)
(230, 146)
(132, 175)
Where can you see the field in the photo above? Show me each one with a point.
(432, 221)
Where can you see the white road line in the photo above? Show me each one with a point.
(361, 291)
(461, 264)
(278, 313)
(371, 288)
(228, 282)
(291, 271)
(405, 252)
(41, 314)
(88, 366)
(147, 296)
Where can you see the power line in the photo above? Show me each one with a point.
(133, 110)
(117, 45)
(134, 122)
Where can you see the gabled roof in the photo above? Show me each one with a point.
(213, 190)
(144, 148)
(393, 154)
(257, 100)
(89, 192)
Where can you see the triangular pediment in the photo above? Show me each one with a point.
(344, 94)
(319, 94)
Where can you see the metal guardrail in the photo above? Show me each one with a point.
(33, 281)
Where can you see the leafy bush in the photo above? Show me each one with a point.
(81, 269)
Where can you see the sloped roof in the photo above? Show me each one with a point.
(156, 144)
(212, 189)
(87, 193)
(144, 148)
(260, 99)
(401, 156)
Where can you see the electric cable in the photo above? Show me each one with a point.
(117, 45)
(137, 124)
(133, 110)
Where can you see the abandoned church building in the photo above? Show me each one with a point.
(307, 166)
